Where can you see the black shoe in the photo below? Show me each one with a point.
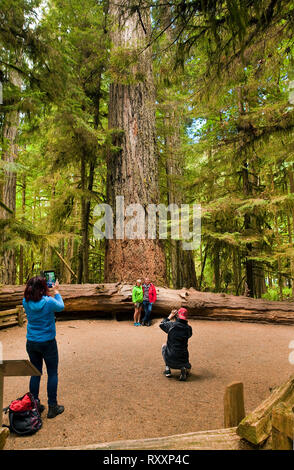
(148, 324)
(183, 375)
(143, 323)
(167, 373)
(41, 408)
(54, 411)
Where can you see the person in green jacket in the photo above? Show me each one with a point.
(137, 299)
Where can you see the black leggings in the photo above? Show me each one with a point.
(48, 351)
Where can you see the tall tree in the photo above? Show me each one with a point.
(182, 263)
(8, 193)
(132, 164)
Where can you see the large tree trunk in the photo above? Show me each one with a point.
(291, 180)
(83, 248)
(132, 168)
(115, 298)
(21, 250)
(8, 188)
(249, 265)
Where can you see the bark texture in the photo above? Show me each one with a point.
(8, 187)
(132, 167)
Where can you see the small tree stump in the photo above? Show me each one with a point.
(234, 410)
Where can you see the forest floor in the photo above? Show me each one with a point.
(112, 385)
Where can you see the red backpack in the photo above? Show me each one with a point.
(24, 416)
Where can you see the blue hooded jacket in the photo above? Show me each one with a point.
(41, 318)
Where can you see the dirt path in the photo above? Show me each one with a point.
(112, 386)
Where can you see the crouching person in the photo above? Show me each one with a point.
(175, 352)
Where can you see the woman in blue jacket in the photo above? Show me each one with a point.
(41, 343)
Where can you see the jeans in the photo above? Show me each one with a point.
(147, 309)
(48, 351)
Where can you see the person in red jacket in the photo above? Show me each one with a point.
(149, 297)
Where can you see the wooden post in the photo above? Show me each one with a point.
(257, 426)
(11, 368)
(234, 410)
(282, 427)
(4, 432)
(1, 395)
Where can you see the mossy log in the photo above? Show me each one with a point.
(257, 426)
(116, 299)
(4, 433)
(282, 427)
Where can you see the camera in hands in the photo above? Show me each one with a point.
(50, 278)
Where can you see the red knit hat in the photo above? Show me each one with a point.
(183, 313)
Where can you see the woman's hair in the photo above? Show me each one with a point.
(36, 288)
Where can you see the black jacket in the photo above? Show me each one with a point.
(176, 352)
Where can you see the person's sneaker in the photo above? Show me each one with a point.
(138, 324)
(167, 372)
(143, 323)
(54, 411)
(183, 375)
(148, 324)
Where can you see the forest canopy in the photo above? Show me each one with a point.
(172, 102)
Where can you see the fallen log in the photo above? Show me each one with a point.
(257, 426)
(219, 439)
(116, 299)
(4, 433)
(282, 427)
(14, 316)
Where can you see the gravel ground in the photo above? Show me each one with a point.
(112, 386)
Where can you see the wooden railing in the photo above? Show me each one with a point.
(14, 316)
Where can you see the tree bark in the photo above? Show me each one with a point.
(83, 248)
(8, 188)
(291, 181)
(247, 219)
(21, 250)
(132, 167)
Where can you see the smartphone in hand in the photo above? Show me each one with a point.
(50, 278)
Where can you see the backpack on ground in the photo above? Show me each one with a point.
(24, 416)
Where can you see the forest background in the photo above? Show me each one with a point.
(208, 86)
